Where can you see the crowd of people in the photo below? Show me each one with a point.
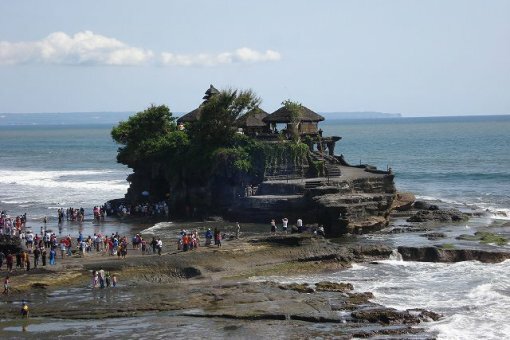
(103, 279)
(71, 214)
(142, 209)
(11, 226)
(299, 227)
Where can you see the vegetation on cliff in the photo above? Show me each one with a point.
(205, 165)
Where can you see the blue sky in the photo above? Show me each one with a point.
(418, 58)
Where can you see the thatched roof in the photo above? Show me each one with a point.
(253, 118)
(283, 115)
(210, 92)
(192, 116)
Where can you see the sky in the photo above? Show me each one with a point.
(417, 58)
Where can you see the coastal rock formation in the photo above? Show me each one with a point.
(404, 201)
(357, 201)
(240, 163)
(449, 215)
(435, 254)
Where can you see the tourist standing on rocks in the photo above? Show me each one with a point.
(43, 257)
(238, 230)
(62, 249)
(299, 225)
(7, 287)
(18, 260)
(107, 279)
(53, 255)
(217, 237)
(154, 244)
(95, 279)
(24, 310)
(102, 277)
(24, 260)
(159, 245)
(144, 246)
(285, 223)
(208, 237)
(273, 227)
(9, 260)
(37, 254)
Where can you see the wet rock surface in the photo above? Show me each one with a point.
(436, 254)
(219, 284)
(441, 216)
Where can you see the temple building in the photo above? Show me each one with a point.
(194, 115)
(306, 122)
(252, 123)
(259, 124)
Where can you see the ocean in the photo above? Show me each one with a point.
(458, 160)
(52, 163)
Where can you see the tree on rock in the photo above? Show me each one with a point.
(148, 135)
(219, 112)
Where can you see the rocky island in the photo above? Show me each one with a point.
(230, 158)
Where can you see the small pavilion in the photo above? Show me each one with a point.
(252, 123)
(306, 120)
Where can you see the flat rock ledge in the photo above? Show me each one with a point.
(323, 302)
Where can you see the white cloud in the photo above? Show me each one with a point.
(83, 48)
(88, 48)
(242, 55)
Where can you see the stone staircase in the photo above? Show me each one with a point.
(333, 170)
(284, 174)
(313, 184)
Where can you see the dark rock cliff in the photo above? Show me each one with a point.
(354, 202)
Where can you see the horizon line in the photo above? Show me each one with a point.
(402, 115)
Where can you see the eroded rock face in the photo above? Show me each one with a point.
(434, 254)
(404, 201)
(357, 203)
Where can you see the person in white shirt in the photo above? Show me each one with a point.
(285, 222)
(299, 224)
(159, 245)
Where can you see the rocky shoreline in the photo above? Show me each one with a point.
(234, 286)
(220, 283)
